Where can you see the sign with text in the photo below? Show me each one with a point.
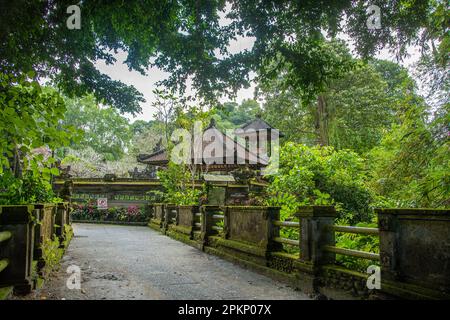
(102, 203)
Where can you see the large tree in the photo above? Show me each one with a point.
(104, 129)
(352, 112)
(190, 40)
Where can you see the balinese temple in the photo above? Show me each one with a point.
(264, 132)
(228, 176)
(250, 149)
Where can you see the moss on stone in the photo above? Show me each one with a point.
(237, 245)
(181, 229)
(274, 274)
(183, 238)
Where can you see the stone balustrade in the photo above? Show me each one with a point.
(25, 229)
(413, 257)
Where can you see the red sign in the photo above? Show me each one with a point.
(102, 203)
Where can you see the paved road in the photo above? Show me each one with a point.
(123, 262)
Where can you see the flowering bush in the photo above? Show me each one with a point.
(89, 211)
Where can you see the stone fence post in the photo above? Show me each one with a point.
(20, 222)
(314, 234)
(415, 252)
(207, 221)
(186, 218)
(170, 212)
(44, 230)
(61, 220)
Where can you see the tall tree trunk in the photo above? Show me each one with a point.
(15, 163)
(322, 121)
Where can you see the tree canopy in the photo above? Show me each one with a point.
(190, 40)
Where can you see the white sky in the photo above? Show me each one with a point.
(146, 84)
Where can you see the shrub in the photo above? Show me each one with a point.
(321, 176)
(89, 211)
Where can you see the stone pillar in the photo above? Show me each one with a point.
(69, 209)
(388, 226)
(44, 230)
(272, 231)
(186, 218)
(19, 220)
(60, 221)
(415, 252)
(170, 211)
(207, 212)
(226, 223)
(314, 234)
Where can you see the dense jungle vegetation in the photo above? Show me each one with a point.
(359, 132)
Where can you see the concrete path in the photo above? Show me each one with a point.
(125, 262)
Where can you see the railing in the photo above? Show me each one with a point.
(357, 230)
(219, 217)
(16, 246)
(197, 220)
(4, 236)
(352, 252)
(24, 228)
(252, 234)
(290, 225)
(216, 214)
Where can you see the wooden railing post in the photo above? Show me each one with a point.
(20, 222)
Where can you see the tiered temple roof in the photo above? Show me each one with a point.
(235, 155)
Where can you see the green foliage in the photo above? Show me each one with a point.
(410, 167)
(231, 115)
(189, 41)
(31, 188)
(89, 211)
(220, 224)
(321, 176)
(29, 119)
(52, 254)
(179, 185)
(359, 109)
(156, 196)
(358, 242)
(103, 128)
(29, 127)
(355, 110)
(68, 235)
(145, 136)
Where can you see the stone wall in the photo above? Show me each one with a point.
(414, 249)
(29, 226)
